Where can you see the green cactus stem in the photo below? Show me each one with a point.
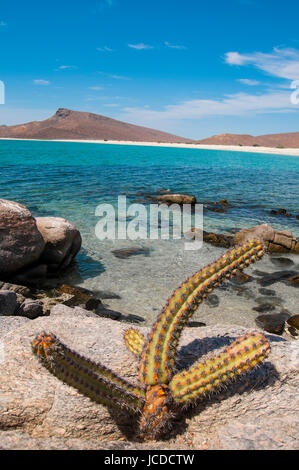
(161, 393)
(243, 354)
(158, 355)
(91, 379)
(134, 341)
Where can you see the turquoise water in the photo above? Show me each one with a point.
(70, 179)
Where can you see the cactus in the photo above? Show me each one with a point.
(162, 392)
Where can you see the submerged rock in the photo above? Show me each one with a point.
(273, 323)
(270, 278)
(282, 262)
(175, 199)
(124, 253)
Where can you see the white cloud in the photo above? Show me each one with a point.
(174, 46)
(67, 67)
(247, 81)
(41, 82)
(115, 76)
(238, 104)
(234, 58)
(104, 49)
(282, 63)
(140, 46)
(96, 88)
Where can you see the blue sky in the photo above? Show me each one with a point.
(194, 68)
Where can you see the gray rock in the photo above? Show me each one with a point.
(8, 302)
(62, 239)
(61, 310)
(30, 309)
(39, 410)
(11, 323)
(21, 243)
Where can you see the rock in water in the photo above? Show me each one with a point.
(250, 414)
(62, 239)
(21, 244)
(175, 199)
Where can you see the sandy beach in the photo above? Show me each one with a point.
(233, 148)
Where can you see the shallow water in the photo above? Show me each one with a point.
(70, 179)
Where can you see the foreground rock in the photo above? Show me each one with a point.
(276, 241)
(31, 249)
(36, 409)
(21, 244)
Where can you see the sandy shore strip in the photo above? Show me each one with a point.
(292, 152)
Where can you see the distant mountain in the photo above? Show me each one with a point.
(67, 124)
(287, 140)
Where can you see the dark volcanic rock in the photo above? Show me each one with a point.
(273, 323)
(30, 309)
(280, 212)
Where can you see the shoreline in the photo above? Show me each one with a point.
(291, 152)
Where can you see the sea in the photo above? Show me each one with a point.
(70, 180)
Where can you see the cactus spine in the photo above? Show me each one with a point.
(158, 355)
(161, 392)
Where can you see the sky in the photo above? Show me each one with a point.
(193, 68)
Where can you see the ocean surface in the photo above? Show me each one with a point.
(70, 180)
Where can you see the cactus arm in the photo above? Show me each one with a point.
(157, 358)
(134, 340)
(243, 354)
(92, 379)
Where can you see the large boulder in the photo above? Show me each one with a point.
(254, 412)
(62, 241)
(21, 244)
(277, 241)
